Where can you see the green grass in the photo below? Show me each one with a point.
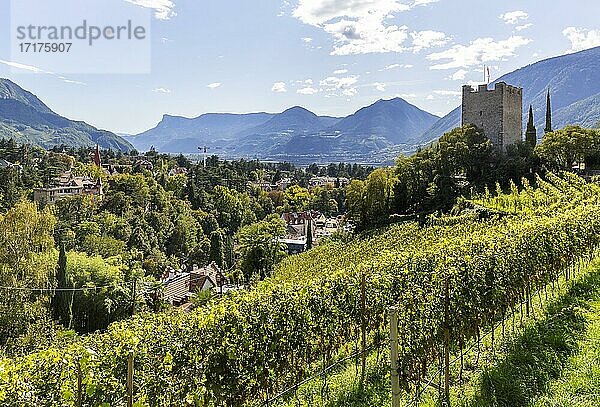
(342, 387)
(579, 385)
(538, 356)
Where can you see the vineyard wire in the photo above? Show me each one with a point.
(324, 371)
(416, 398)
(7, 288)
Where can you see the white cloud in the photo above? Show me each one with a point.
(349, 92)
(163, 9)
(307, 40)
(394, 66)
(24, 67)
(447, 92)
(423, 2)
(379, 86)
(582, 38)
(514, 17)
(430, 97)
(339, 83)
(71, 81)
(523, 27)
(335, 85)
(479, 51)
(459, 75)
(279, 87)
(428, 39)
(357, 26)
(309, 90)
(35, 69)
(214, 85)
(340, 71)
(164, 91)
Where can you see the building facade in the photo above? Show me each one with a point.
(498, 112)
(68, 185)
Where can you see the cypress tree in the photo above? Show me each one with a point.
(531, 133)
(62, 301)
(309, 235)
(216, 248)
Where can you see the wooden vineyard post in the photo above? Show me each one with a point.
(394, 356)
(446, 343)
(130, 379)
(363, 328)
(79, 390)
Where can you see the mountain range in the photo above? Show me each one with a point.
(374, 134)
(293, 133)
(574, 84)
(27, 120)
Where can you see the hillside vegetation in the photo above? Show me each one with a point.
(249, 345)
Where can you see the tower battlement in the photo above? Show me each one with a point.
(498, 112)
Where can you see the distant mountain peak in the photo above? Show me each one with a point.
(298, 110)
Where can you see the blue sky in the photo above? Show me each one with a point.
(330, 56)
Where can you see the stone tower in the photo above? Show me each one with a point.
(498, 112)
(548, 128)
(531, 133)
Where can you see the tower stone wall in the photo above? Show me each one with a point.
(498, 112)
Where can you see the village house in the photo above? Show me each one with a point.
(266, 186)
(299, 224)
(178, 171)
(180, 286)
(7, 164)
(68, 185)
(315, 182)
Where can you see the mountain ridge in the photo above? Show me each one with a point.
(27, 120)
(292, 132)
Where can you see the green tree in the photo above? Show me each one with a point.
(62, 300)
(27, 260)
(217, 251)
(355, 198)
(379, 194)
(107, 297)
(259, 247)
(228, 209)
(309, 235)
(296, 198)
(572, 145)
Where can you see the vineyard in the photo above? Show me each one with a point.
(450, 279)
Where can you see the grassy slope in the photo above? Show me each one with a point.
(579, 385)
(540, 355)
